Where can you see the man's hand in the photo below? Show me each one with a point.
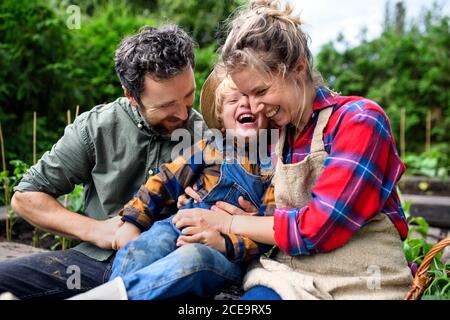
(102, 233)
(127, 232)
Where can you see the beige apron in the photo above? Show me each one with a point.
(371, 265)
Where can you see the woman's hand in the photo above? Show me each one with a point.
(203, 219)
(248, 209)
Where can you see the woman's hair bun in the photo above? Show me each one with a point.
(273, 4)
(272, 8)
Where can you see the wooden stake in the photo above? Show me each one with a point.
(68, 117)
(428, 132)
(2, 148)
(66, 197)
(36, 235)
(5, 187)
(77, 110)
(402, 131)
(34, 137)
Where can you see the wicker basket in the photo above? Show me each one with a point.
(422, 279)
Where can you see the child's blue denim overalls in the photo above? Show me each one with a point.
(152, 267)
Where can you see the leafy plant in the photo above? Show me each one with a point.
(7, 183)
(61, 243)
(416, 246)
(74, 202)
(439, 288)
(433, 163)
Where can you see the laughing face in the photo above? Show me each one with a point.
(237, 115)
(278, 98)
(167, 103)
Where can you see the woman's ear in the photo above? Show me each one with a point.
(301, 67)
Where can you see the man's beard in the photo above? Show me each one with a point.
(161, 129)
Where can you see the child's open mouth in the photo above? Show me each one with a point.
(247, 118)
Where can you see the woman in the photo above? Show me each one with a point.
(339, 224)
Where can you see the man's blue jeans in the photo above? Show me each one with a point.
(152, 267)
(46, 275)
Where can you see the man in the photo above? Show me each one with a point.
(111, 150)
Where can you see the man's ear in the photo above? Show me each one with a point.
(130, 98)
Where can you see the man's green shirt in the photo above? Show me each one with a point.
(111, 151)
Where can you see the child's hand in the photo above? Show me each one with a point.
(210, 237)
(184, 198)
(127, 232)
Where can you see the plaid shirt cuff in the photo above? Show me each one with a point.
(243, 248)
(287, 233)
(140, 220)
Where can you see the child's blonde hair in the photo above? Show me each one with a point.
(225, 88)
(216, 88)
(267, 38)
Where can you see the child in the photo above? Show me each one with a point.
(152, 267)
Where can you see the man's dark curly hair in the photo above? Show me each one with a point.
(161, 52)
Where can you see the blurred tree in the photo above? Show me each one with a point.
(34, 46)
(202, 18)
(90, 7)
(33, 50)
(49, 68)
(408, 69)
(93, 75)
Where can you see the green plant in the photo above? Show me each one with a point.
(74, 202)
(61, 243)
(416, 246)
(8, 182)
(439, 288)
(434, 163)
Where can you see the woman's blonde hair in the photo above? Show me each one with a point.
(267, 38)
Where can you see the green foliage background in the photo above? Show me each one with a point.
(408, 66)
(48, 68)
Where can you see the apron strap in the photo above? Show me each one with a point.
(280, 143)
(317, 140)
